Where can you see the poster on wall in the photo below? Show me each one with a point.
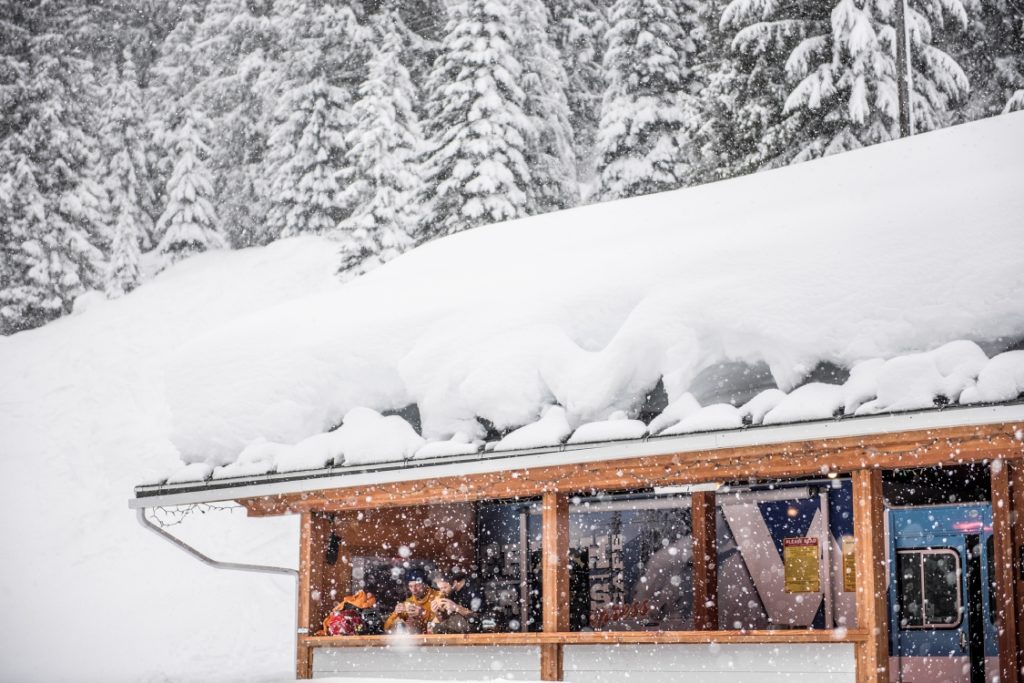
(802, 564)
(849, 565)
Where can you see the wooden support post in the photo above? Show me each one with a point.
(555, 579)
(314, 531)
(1017, 519)
(551, 662)
(872, 614)
(1002, 545)
(705, 562)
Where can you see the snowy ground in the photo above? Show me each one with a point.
(86, 593)
(199, 358)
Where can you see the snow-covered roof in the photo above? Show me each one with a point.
(883, 280)
(189, 489)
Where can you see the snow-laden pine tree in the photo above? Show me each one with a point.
(307, 148)
(189, 224)
(234, 48)
(124, 145)
(478, 132)
(844, 68)
(52, 229)
(577, 29)
(743, 128)
(993, 57)
(171, 93)
(382, 175)
(550, 154)
(649, 110)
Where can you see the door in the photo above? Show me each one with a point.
(938, 593)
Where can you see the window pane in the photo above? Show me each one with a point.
(509, 555)
(632, 560)
(929, 587)
(909, 568)
(482, 559)
(780, 555)
(942, 588)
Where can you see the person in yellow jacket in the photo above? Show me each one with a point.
(415, 612)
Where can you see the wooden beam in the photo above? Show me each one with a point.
(314, 529)
(551, 662)
(853, 635)
(705, 562)
(1002, 544)
(871, 597)
(554, 579)
(1016, 476)
(303, 656)
(922, 448)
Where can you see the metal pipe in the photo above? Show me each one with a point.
(205, 559)
(524, 570)
(140, 515)
(826, 559)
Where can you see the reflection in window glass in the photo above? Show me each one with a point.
(632, 564)
(632, 559)
(509, 559)
(929, 588)
(911, 599)
(753, 527)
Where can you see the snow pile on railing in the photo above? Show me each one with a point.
(870, 261)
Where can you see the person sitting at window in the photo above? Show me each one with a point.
(456, 605)
(415, 612)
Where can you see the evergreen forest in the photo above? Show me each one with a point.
(136, 133)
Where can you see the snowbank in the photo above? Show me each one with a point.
(83, 418)
(875, 254)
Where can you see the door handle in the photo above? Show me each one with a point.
(963, 640)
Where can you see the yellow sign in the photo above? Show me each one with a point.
(849, 565)
(803, 565)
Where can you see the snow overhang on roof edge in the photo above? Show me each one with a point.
(210, 491)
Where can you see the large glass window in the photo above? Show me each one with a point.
(632, 563)
(929, 588)
(781, 561)
(479, 565)
(785, 555)
(508, 560)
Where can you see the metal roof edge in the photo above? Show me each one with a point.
(487, 462)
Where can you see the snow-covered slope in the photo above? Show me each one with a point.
(894, 249)
(85, 593)
(877, 253)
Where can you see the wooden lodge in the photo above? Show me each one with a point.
(860, 590)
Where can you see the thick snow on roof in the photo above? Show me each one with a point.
(856, 260)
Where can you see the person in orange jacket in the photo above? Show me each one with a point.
(415, 612)
(350, 603)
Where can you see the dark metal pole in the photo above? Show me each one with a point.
(903, 69)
